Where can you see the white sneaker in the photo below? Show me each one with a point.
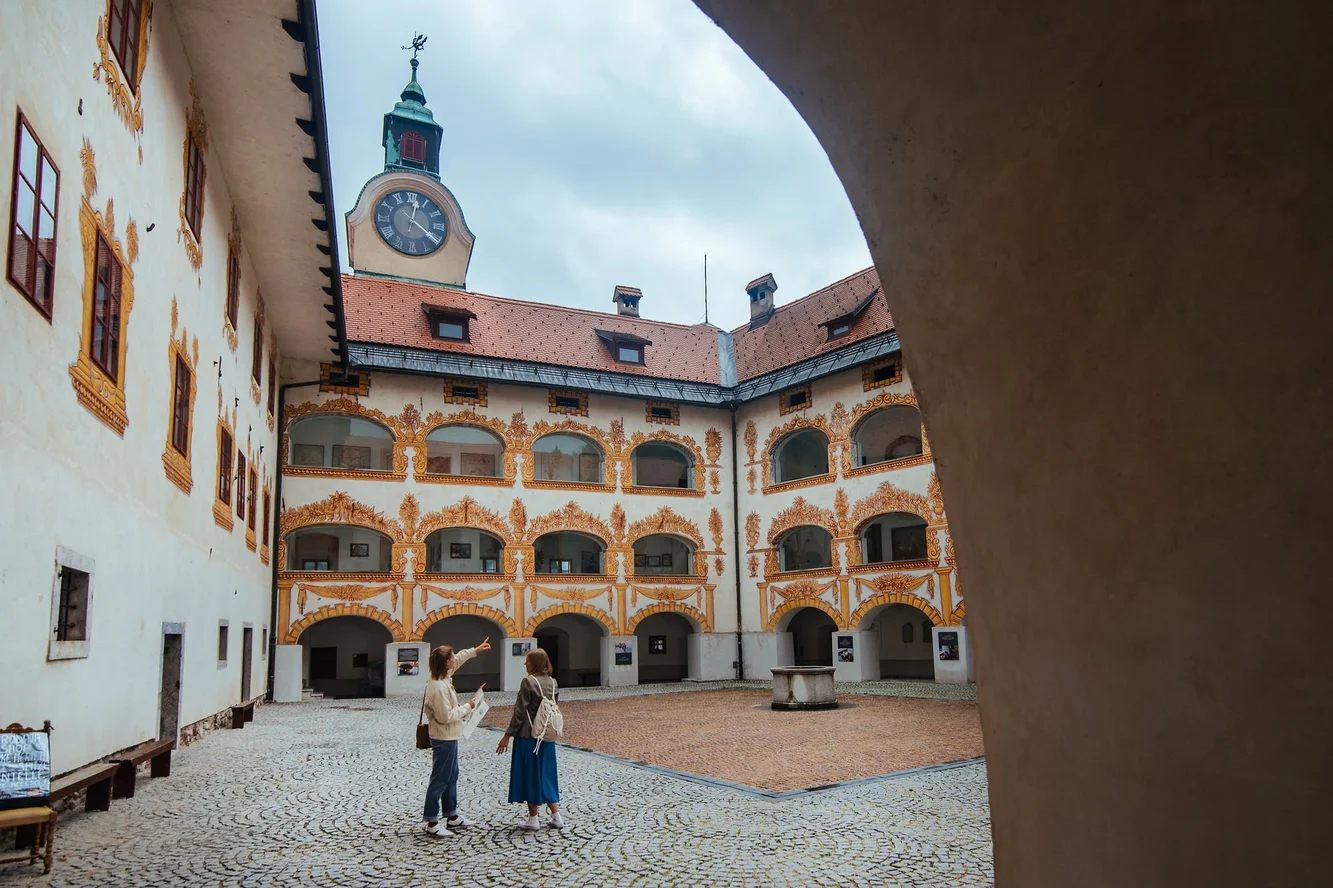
(532, 823)
(556, 822)
(438, 829)
(457, 822)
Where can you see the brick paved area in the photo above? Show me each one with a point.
(733, 735)
(328, 793)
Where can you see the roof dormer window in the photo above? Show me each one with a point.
(626, 348)
(448, 323)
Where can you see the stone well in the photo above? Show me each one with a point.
(803, 687)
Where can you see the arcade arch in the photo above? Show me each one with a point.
(465, 450)
(338, 441)
(343, 657)
(562, 456)
(807, 547)
(887, 434)
(463, 550)
(568, 552)
(801, 454)
(661, 554)
(905, 636)
(468, 630)
(662, 643)
(574, 644)
(662, 464)
(345, 548)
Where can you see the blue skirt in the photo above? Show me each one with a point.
(533, 778)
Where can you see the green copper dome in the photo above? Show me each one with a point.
(412, 138)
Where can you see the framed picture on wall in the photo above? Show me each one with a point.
(666, 559)
(590, 468)
(561, 566)
(640, 560)
(624, 653)
(359, 550)
(588, 563)
(460, 550)
(521, 648)
(349, 456)
(654, 560)
(307, 454)
(478, 465)
(438, 465)
(657, 644)
(308, 564)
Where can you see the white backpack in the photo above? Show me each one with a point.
(549, 718)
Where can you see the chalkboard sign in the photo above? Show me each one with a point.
(25, 769)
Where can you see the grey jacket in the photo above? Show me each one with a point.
(528, 701)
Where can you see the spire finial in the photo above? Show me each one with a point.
(417, 45)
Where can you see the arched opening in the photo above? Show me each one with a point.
(661, 554)
(811, 637)
(339, 547)
(574, 644)
(894, 537)
(663, 642)
(662, 464)
(463, 550)
(569, 553)
(468, 630)
(464, 450)
(905, 635)
(335, 441)
(343, 657)
(802, 454)
(563, 457)
(888, 434)
(412, 148)
(805, 548)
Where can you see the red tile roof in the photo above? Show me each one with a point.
(389, 312)
(793, 333)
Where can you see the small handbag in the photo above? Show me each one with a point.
(423, 728)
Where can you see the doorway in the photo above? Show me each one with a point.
(323, 663)
(169, 699)
(247, 660)
(551, 644)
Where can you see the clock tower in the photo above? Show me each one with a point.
(406, 224)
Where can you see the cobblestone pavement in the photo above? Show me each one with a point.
(328, 793)
(731, 735)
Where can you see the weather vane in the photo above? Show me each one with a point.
(417, 45)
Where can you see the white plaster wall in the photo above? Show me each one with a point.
(70, 480)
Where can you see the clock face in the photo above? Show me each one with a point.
(410, 222)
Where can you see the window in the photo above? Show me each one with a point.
(194, 185)
(909, 543)
(106, 311)
(464, 450)
(887, 434)
(224, 466)
(254, 491)
(908, 633)
(899, 535)
(123, 36)
(32, 219)
(222, 643)
(465, 391)
(878, 374)
(661, 464)
(573, 403)
(794, 399)
(268, 511)
(666, 414)
(806, 548)
(272, 386)
(451, 329)
(568, 458)
(263, 643)
(449, 323)
(334, 378)
(629, 354)
(801, 454)
(413, 147)
(257, 362)
(180, 409)
(335, 441)
(839, 331)
(71, 603)
(233, 287)
(240, 485)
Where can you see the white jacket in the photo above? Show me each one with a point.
(443, 711)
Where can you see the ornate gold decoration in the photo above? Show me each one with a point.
(339, 508)
(196, 127)
(884, 598)
(326, 383)
(573, 593)
(518, 427)
(386, 620)
(715, 481)
(581, 397)
(94, 388)
(672, 417)
(936, 500)
(888, 498)
(125, 95)
(571, 517)
(752, 530)
(796, 604)
(344, 591)
(754, 565)
(751, 440)
(667, 593)
(546, 613)
(868, 372)
(665, 521)
(801, 589)
(749, 476)
(500, 618)
(414, 431)
(799, 514)
(715, 528)
(861, 412)
(702, 622)
(719, 565)
(617, 435)
(840, 507)
(176, 464)
(518, 519)
(467, 593)
(818, 422)
(618, 523)
(467, 512)
(713, 445)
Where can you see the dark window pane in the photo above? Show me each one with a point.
(629, 355)
(450, 331)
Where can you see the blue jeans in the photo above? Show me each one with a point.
(443, 779)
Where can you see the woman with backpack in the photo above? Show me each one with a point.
(440, 706)
(536, 720)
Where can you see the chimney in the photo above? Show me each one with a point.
(627, 301)
(761, 299)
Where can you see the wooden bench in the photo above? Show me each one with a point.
(243, 712)
(127, 765)
(95, 778)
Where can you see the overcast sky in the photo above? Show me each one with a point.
(596, 143)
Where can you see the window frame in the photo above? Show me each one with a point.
(194, 185)
(265, 521)
(580, 408)
(129, 38)
(46, 306)
(257, 359)
(180, 407)
(226, 446)
(272, 385)
(637, 350)
(251, 505)
(417, 141)
(60, 648)
(438, 320)
(240, 484)
(224, 642)
(107, 359)
(785, 404)
(233, 308)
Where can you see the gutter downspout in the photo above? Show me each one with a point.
(276, 540)
(736, 531)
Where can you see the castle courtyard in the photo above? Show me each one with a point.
(327, 792)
